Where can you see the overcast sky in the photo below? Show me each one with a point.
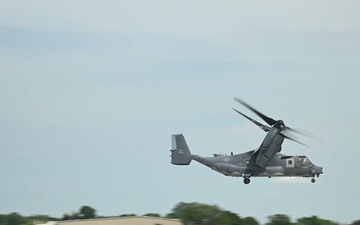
(91, 91)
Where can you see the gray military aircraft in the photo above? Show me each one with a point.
(265, 161)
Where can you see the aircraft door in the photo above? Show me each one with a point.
(290, 163)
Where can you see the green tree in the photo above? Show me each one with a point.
(279, 219)
(202, 214)
(356, 222)
(314, 220)
(228, 218)
(2, 219)
(124, 215)
(14, 219)
(152, 214)
(43, 218)
(29, 222)
(195, 213)
(249, 221)
(65, 216)
(86, 212)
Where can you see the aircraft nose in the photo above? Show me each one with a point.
(319, 170)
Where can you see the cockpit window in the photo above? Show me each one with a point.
(304, 161)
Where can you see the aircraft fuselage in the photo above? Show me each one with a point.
(244, 165)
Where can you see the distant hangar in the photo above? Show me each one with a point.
(131, 220)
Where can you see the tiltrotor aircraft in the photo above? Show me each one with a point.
(265, 161)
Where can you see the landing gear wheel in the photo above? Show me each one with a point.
(313, 180)
(246, 180)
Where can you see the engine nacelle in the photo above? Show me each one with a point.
(270, 146)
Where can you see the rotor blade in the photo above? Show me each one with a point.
(268, 120)
(304, 133)
(262, 126)
(294, 140)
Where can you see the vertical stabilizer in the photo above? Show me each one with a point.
(180, 153)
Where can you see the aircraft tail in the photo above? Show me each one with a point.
(180, 153)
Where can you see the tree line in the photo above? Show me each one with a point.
(189, 213)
